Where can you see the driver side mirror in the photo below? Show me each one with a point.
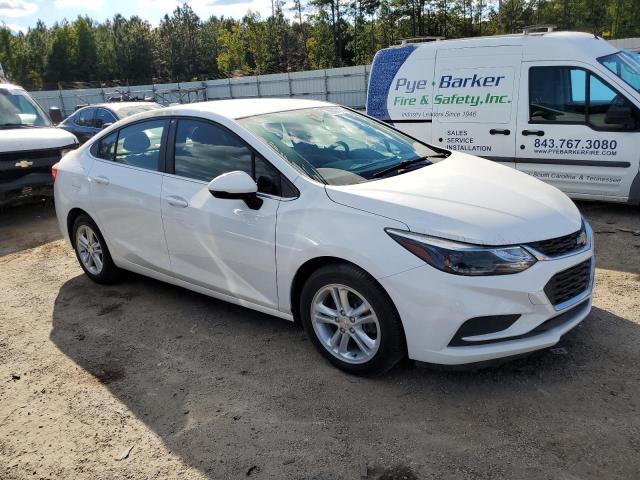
(55, 115)
(236, 185)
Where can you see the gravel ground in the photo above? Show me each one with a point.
(191, 387)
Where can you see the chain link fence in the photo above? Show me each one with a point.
(346, 86)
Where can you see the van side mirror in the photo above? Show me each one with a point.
(106, 125)
(55, 115)
(236, 185)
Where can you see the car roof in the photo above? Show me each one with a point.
(10, 86)
(116, 106)
(245, 107)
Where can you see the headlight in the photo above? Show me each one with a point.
(464, 258)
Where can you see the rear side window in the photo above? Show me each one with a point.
(572, 95)
(139, 145)
(204, 150)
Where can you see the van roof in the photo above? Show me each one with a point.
(536, 46)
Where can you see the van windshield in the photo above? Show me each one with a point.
(337, 146)
(17, 110)
(626, 65)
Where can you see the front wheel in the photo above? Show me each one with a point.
(351, 320)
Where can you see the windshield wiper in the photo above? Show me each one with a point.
(404, 164)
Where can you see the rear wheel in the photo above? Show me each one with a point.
(351, 320)
(92, 252)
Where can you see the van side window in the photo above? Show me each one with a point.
(557, 95)
(575, 96)
(608, 110)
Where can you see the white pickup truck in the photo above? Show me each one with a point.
(29, 146)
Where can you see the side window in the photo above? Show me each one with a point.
(84, 117)
(557, 95)
(608, 109)
(139, 144)
(106, 147)
(573, 95)
(203, 151)
(102, 117)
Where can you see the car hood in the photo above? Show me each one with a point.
(468, 199)
(41, 138)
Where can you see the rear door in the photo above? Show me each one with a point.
(475, 99)
(576, 131)
(126, 182)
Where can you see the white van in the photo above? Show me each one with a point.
(563, 107)
(29, 146)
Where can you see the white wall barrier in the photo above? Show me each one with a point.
(346, 86)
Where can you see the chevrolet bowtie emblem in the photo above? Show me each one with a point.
(582, 239)
(24, 164)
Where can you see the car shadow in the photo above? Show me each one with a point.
(230, 389)
(27, 226)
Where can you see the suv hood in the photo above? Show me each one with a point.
(40, 138)
(468, 199)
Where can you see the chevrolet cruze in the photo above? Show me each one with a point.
(380, 245)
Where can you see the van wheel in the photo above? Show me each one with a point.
(92, 252)
(351, 320)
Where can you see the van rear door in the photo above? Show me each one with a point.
(576, 131)
(475, 99)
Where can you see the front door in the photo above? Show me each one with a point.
(220, 244)
(576, 132)
(474, 101)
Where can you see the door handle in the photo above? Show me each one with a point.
(175, 201)
(498, 131)
(101, 180)
(539, 133)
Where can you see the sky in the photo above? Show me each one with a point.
(19, 15)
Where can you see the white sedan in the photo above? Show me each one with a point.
(380, 245)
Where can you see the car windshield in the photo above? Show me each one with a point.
(626, 65)
(124, 112)
(338, 146)
(17, 109)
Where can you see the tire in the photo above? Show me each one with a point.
(106, 273)
(369, 311)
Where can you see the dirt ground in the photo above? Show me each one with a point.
(191, 387)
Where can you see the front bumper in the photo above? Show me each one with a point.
(433, 306)
(28, 186)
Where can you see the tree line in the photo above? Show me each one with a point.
(299, 35)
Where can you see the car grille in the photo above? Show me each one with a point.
(569, 283)
(560, 245)
(13, 165)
